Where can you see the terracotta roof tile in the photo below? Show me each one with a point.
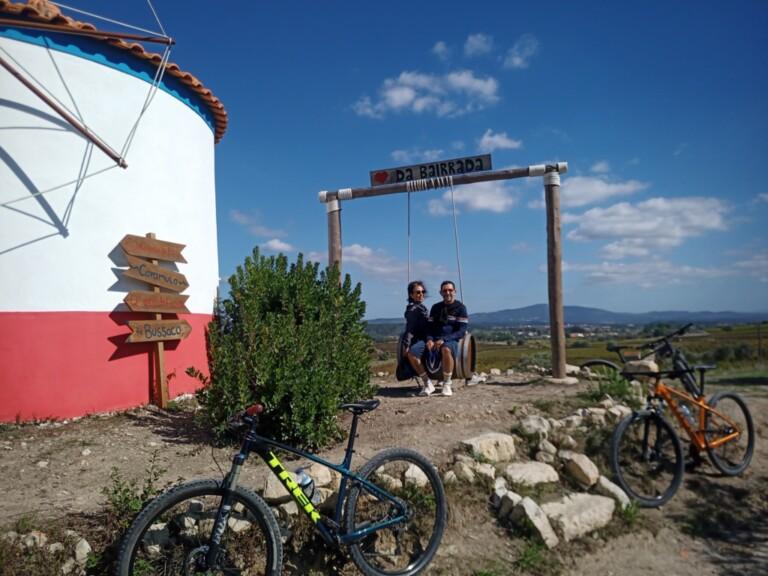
(44, 11)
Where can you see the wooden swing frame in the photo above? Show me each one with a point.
(551, 175)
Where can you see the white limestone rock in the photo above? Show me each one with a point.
(608, 488)
(579, 514)
(580, 468)
(530, 473)
(528, 510)
(491, 446)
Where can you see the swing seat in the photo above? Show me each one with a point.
(463, 366)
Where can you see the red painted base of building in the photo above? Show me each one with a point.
(64, 364)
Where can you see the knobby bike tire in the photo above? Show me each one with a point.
(375, 555)
(733, 457)
(172, 531)
(647, 458)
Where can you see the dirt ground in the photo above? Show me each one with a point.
(715, 526)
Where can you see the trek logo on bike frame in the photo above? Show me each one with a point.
(293, 488)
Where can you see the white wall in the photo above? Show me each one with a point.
(168, 187)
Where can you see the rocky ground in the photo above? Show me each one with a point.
(714, 526)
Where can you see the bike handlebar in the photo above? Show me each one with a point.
(664, 340)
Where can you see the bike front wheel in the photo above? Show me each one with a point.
(647, 458)
(404, 548)
(171, 535)
(733, 456)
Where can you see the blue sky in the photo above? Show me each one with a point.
(660, 109)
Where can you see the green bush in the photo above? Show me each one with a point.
(291, 339)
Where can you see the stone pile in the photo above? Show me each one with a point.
(494, 459)
(72, 554)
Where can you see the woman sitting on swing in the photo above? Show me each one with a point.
(417, 331)
(416, 324)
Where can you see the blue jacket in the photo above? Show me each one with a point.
(448, 322)
(416, 323)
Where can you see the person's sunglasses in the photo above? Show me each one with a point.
(418, 291)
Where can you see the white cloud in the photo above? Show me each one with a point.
(441, 50)
(499, 141)
(481, 196)
(451, 94)
(251, 223)
(601, 167)
(520, 247)
(276, 245)
(645, 273)
(417, 155)
(645, 228)
(520, 54)
(755, 266)
(582, 190)
(679, 149)
(763, 197)
(380, 264)
(477, 45)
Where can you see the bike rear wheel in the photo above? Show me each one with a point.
(601, 369)
(405, 548)
(171, 535)
(647, 458)
(732, 457)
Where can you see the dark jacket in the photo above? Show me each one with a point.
(416, 325)
(448, 322)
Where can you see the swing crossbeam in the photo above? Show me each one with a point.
(551, 173)
(442, 182)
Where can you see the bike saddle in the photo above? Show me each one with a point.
(362, 406)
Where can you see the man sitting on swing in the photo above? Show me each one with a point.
(448, 321)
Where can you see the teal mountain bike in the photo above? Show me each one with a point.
(390, 515)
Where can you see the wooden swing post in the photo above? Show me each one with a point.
(551, 174)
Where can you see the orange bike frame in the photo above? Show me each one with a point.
(697, 436)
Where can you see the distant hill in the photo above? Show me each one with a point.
(539, 314)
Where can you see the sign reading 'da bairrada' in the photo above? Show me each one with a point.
(137, 249)
(431, 170)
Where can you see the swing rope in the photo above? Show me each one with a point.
(428, 184)
(410, 246)
(456, 239)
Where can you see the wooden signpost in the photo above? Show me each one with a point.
(143, 254)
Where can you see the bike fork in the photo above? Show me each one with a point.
(225, 508)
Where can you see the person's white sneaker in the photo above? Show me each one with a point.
(447, 390)
(476, 379)
(428, 389)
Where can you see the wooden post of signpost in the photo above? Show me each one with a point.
(554, 273)
(143, 255)
(161, 385)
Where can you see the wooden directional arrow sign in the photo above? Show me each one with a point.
(155, 275)
(152, 249)
(163, 302)
(158, 330)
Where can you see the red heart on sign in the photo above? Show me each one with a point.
(381, 177)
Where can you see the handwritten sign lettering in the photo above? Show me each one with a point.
(158, 330)
(155, 275)
(163, 302)
(152, 248)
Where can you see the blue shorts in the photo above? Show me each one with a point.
(418, 348)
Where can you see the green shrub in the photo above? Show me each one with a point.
(126, 498)
(613, 384)
(291, 339)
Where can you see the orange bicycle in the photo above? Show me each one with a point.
(646, 453)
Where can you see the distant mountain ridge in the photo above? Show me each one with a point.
(539, 314)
